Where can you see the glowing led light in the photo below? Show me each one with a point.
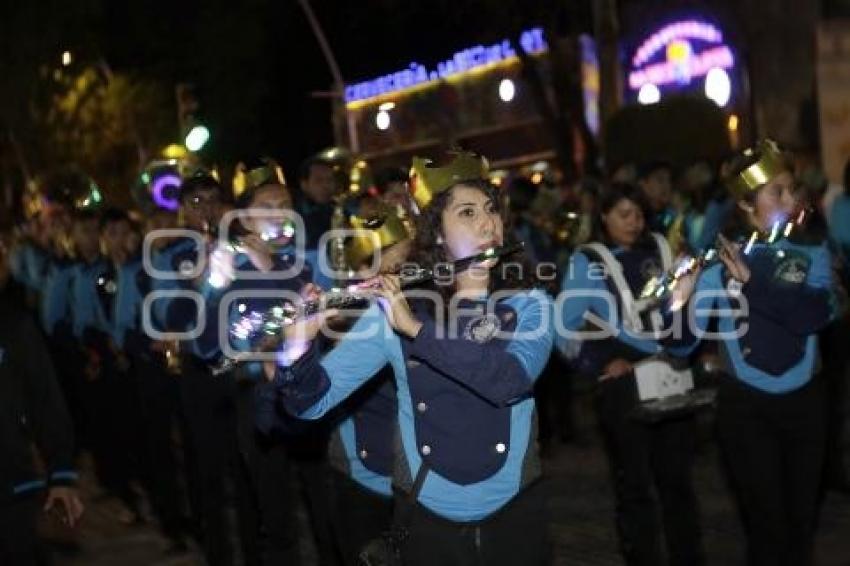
(159, 190)
(649, 94)
(733, 123)
(216, 280)
(507, 90)
(382, 120)
(197, 138)
(749, 247)
(718, 87)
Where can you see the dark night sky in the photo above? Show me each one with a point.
(256, 62)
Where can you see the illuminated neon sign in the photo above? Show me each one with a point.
(164, 191)
(473, 58)
(679, 52)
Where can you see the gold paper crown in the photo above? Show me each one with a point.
(379, 231)
(427, 181)
(267, 173)
(769, 162)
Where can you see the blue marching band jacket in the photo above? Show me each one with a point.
(598, 290)
(789, 298)
(464, 397)
(361, 444)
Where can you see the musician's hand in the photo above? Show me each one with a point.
(616, 368)
(310, 292)
(64, 501)
(395, 306)
(683, 290)
(222, 270)
(730, 254)
(298, 336)
(258, 252)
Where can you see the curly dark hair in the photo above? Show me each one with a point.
(427, 251)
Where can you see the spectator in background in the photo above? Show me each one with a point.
(655, 180)
(314, 199)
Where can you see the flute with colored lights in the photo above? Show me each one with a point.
(661, 286)
(272, 321)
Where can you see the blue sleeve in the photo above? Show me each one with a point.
(580, 294)
(802, 309)
(576, 279)
(128, 302)
(16, 264)
(54, 300)
(159, 308)
(319, 277)
(84, 303)
(29, 266)
(315, 384)
(206, 345)
(501, 371)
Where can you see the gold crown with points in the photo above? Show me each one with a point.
(769, 162)
(268, 173)
(427, 180)
(376, 232)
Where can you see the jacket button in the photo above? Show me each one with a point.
(363, 454)
(421, 407)
(746, 351)
(500, 448)
(426, 449)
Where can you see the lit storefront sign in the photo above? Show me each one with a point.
(473, 59)
(676, 56)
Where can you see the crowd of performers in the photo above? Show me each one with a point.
(400, 372)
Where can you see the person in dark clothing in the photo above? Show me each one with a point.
(655, 180)
(314, 200)
(32, 412)
(650, 463)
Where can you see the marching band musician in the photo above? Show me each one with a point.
(601, 282)
(44, 235)
(361, 446)
(770, 410)
(206, 403)
(466, 457)
(157, 389)
(105, 392)
(265, 247)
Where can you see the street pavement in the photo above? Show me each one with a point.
(581, 511)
